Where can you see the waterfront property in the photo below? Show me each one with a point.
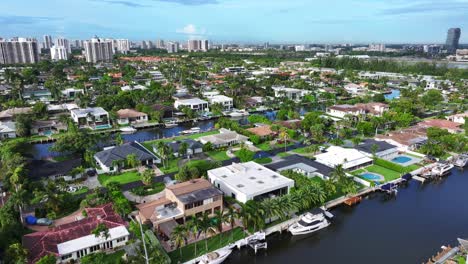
(94, 118)
(7, 130)
(44, 169)
(225, 138)
(195, 104)
(290, 93)
(10, 114)
(406, 139)
(380, 149)
(224, 101)
(452, 127)
(302, 165)
(47, 127)
(340, 111)
(249, 181)
(351, 159)
(131, 116)
(112, 159)
(180, 202)
(405, 160)
(458, 118)
(193, 147)
(73, 240)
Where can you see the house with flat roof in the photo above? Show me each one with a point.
(195, 104)
(71, 93)
(302, 165)
(111, 159)
(249, 181)
(225, 138)
(223, 100)
(290, 93)
(72, 241)
(132, 87)
(383, 150)
(131, 116)
(180, 202)
(7, 130)
(93, 117)
(349, 158)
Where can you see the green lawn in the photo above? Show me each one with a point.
(303, 150)
(123, 178)
(218, 155)
(115, 257)
(188, 252)
(388, 174)
(283, 154)
(265, 146)
(263, 160)
(461, 260)
(171, 166)
(148, 189)
(81, 191)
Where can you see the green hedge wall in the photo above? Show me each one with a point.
(391, 166)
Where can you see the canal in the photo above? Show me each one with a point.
(407, 229)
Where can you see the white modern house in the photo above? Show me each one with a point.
(93, 117)
(71, 93)
(127, 88)
(354, 89)
(350, 158)
(195, 104)
(290, 93)
(223, 100)
(249, 181)
(225, 138)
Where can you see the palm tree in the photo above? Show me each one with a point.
(194, 226)
(356, 141)
(374, 149)
(338, 173)
(183, 149)
(179, 237)
(164, 152)
(16, 179)
(221, 218)
(131, 160)
(101, 230)
(232, 216)
(284, 136)
(207, 227)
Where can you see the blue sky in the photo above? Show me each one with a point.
(291, 21)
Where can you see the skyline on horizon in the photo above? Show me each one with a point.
(242, 21)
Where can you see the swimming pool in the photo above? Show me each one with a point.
(371, 176)
(102, 126)
(401, 159)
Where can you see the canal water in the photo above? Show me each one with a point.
(407, 229)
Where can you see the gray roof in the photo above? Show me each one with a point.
(192, 144)
(121, 152)
(366, 146)
(199, 195)
(300, 161)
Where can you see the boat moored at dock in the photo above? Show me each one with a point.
(216, 257)
(461, 161)
(309, 223)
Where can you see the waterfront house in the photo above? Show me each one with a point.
(93, 117)
(10, 114)
(349, 158)
(249, 181)
(406, 139)
(262, 131)
(180, 202)
(340, 111)
(193, 147)
(224, 101)
(44, 169)
(195, 104)
(71, 241)
(225, 138)
(355, 89)
(450, 126)
(302, 165)
(383, 150)
(113, 158)
(290, 93)
(7, 130)
(458, 118)
(131, 116)
(47, 127)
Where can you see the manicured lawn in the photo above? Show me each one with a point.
(283, 154)
(148, 189)
(263, 160)
(303, 150)
(388, 174)
(218, 155)
(123, 178)
(171, 166)
(188, 252)
(265, 146)
(81, 191)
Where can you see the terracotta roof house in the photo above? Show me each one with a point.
(74, 240)
(452, 127)
(262, 131)
(407, 139)
(131, 116)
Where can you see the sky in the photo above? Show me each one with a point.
(243, 21)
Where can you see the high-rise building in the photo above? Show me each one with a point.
(160, 44)
(204, 45)
(62, 42)
(20, 50)
(453, 37)
(58, 53)
(197, 45)
(172, 47)
(98, 50)
(121, 45)
(47, 44)
(78, 44)
(377, 47)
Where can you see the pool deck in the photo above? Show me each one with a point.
(413, 160)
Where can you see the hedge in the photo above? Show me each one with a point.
(391, 166)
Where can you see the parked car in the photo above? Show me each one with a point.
(44, 222)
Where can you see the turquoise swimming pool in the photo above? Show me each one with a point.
(371, 176)
(401, 159)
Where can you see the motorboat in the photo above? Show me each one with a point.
(190, 131)
(216, 257)
(128, 129)
(309, 223)
(461, 160)
(442, 169)
(238, 113)
(170, 124)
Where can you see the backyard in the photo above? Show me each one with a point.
(218, 155)
(123, 178)
(388, 174)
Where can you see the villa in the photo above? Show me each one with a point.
(340, 111)
(225, 138)
(131, 116)
(47, 127)
(94, 117)
(382, 149)
(193, 147)
(249, 181)
(262, 131)
(195, 104)
(405, 139)
(452, 127)
(127, 88)
(10, 114)
(111, 159)
(290, 93)
(350, 159)
(302, 165)
(71, 93)
(69, 242)
(223, 100)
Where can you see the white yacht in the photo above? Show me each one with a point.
(461, 160)
(238, 113)
(170, 124)
(193, 130)
(216, 257)
(128, 130)
(441, 169)
(309, 223)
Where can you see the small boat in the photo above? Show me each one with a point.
(193, 130)
(238, 113)
(461, 160)
(442, 169)
(353, 200)
(309, 223)
(128, 129)
(170, 124)
(216, 257)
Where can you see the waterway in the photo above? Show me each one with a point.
(407, 229)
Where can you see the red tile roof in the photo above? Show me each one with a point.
(40, 244)
(440, 123)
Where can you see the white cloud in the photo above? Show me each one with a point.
(189, 29)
